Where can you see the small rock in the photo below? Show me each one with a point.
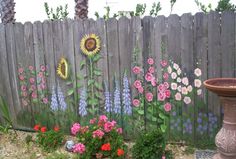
(38, 155)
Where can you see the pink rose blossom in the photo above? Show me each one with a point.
(20, 70)
(185, 81)
(187, 100)
(92, 121)
(167, 107)
(163, 63)
(151, 70)
(167, 93)
(178, 96)
(179, 88)
(75, 128)
(173, 86)
(34, 95)
(33, 87)
(42, 86)
(108, 126)
(40, 74)
(161, 88)
(119, 130)
(45, 100)
(189, 88)
(153, 82)
(197, 83)
(197, 72)
(173, 75)
(79, 148)
(136, 102)
(31, 68)
(148, 77)
(163, 157)
(175, 66)
(184, 91)
(161, 96)
(24, 94)
(165, 76)
(166, 85)
(23, 87)
(149, 96)
(150, 61)
(140, 90)
(42, 68)
(32, 80)
(98, 133)
(199, 92)
(136, 70)
(103, 118)
(21, 77)
(137, 84)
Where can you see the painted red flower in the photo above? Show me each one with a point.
(106, 147)
(37, 127)
(120, 152)
(43, 129)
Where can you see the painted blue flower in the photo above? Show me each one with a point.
(117, 100)
(108, 101)
(126, 97)
(83, 103)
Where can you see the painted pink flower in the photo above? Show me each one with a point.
(173, 86)
(173, 75)
(20, 70)
(148, 77)
(75, 128)
(178, 80)
(24, 94)
(140, 90)
(179, 71)
(197, 72)
(185, 81)
(103, 118)
(108, 126)
(136, 102)
(167, 107)
(163, 157)
(31, 68)
(166, 85)
(119, 130)
(136, 70)
(43, 80)
(187, 100)
(23, 87)
(31, 80)
(153, 82)
(42, 68)
(175, 66)
(169, 69)
(161, 88)
(149, 96)
(24, 102)
(43, 86)
(34, 95)
(79, 148)
(184, 90)
(178, 96)
(167, 93)
(199, 92)
(150, 61)
(98, 133)
(40, 74)
(137, 84)
(189, 88)
(92, 121)
(21, 77)
(179, 88)
(45, 100)
(163, 63)
(165, 76)
(161, 96)
(151, 70)
(197, 83)
(33, 87)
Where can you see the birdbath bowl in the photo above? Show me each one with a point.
(225, 139)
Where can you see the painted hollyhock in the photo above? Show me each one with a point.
(108, 101)
(117, 100)
(82, 111)
(126, 97)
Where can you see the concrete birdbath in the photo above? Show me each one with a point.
(225, 139)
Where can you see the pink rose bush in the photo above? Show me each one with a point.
(101, 138)
(33, 88)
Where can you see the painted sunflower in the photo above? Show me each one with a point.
(62, 68)
(90, 44)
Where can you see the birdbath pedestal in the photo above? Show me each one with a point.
(225, 139)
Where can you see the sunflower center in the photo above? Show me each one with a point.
(90, 44)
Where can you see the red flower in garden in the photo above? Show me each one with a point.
(106, 147)
(37, 127)
(56, 128)
(120, 152)
(43, 129)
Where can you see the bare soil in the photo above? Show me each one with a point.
(15, 147)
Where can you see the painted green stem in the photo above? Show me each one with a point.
(91, 78)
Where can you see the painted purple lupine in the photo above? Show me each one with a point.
(108, 101)
(82, 111)
(126, 97)
(54, 103)
(61, 99)
(175, 124)
(117, 100)
(187, 127)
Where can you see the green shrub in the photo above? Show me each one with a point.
(150, 145)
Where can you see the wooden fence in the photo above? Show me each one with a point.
(208, 39)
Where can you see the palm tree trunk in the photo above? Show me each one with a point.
(7, 11)
(81, 9)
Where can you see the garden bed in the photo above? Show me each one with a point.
(12, 146)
